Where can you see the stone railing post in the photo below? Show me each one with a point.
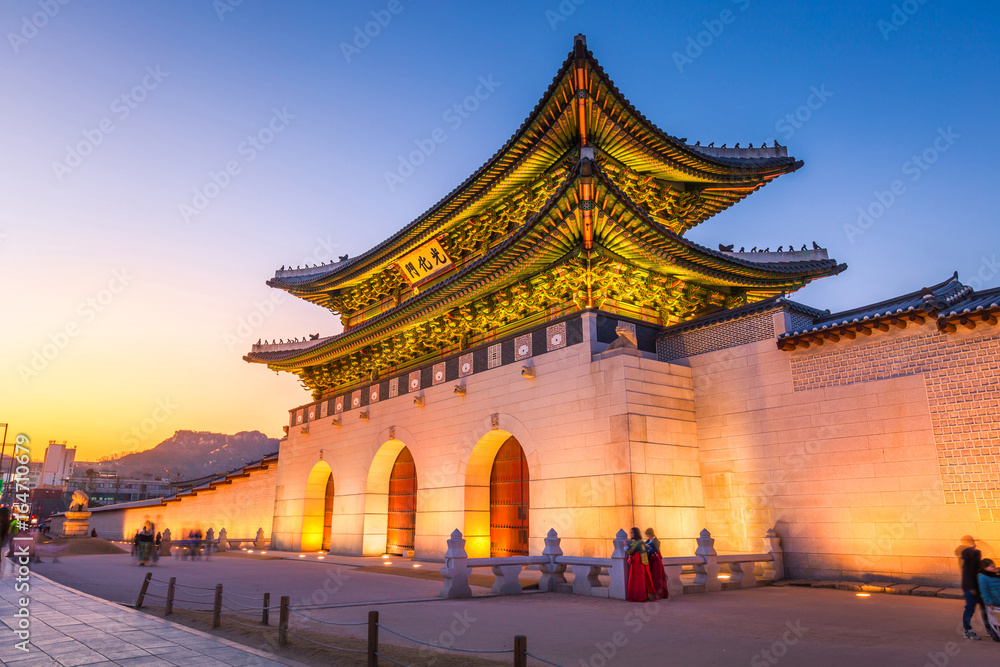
(258, 540)
(223, 540)
(619, 568)
(165, 543)
(675, 586)
(707, 574)
(743, 574)
(506, 580)
(456, 568)
(773, 544)
(553, 574)
(209, 535)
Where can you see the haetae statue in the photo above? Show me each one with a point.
(80, 501)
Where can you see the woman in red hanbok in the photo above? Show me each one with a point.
(656, 565)
(640, 583)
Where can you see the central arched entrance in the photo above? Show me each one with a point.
(328, 514)
(402, 504)
(509, 501)
(497, 502)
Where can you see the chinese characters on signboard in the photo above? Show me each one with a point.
(426, 262)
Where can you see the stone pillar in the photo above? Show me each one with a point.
(619, 568)
(707, 574)
(773, 543)
(223, 540)
(553, 574)
(456, 568)
(165, 543)
(258, 541)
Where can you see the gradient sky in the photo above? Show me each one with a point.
(130, 313)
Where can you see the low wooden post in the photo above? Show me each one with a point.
(142, 591)
(217, 607)
(170, 596)
(283, 621)
(265, 617)
(520, 651)
(373, 639)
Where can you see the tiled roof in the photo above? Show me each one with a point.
(977, 302)
(930, 300)
(763, 306)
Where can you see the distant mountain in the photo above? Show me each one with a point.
(192, 454)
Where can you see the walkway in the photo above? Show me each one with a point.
(72, 628)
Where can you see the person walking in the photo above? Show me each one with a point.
(989, 596)
(144, 545)
(971, 560)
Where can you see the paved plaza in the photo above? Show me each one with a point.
(796, 626)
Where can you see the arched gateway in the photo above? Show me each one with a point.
(402, 504)
(317, 508)
(509, 501)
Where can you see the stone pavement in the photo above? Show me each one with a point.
(69, 628)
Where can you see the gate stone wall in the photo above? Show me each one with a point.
(872, 458)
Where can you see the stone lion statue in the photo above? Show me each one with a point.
(80, 501)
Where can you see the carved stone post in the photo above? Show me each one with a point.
(259, 539)
(456, 568)
(506, 580)
(165, 543)
(619, 569)
(553, 574)
(773, 543)
(707, 574)
(223, 540)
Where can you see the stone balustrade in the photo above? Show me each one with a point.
(706, 563)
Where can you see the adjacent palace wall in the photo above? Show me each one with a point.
(871, 457)
(241, 502)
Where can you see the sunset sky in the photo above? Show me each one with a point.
(124, 291)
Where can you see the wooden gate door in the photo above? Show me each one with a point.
(328, 513)
(509, 502)
(402, 504)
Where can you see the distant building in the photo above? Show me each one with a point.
(107, 487)
(58, 466)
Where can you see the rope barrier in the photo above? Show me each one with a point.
(199, 595)
(240, 604)
(200, 588)
(248, 597)
(335, 648)
(446, 648)
(541, 659)
(319, 620)
(253, 627)
(157, 583)
(395, 662)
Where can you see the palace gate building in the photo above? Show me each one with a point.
(545, 348)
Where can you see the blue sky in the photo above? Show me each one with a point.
(200, 77)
